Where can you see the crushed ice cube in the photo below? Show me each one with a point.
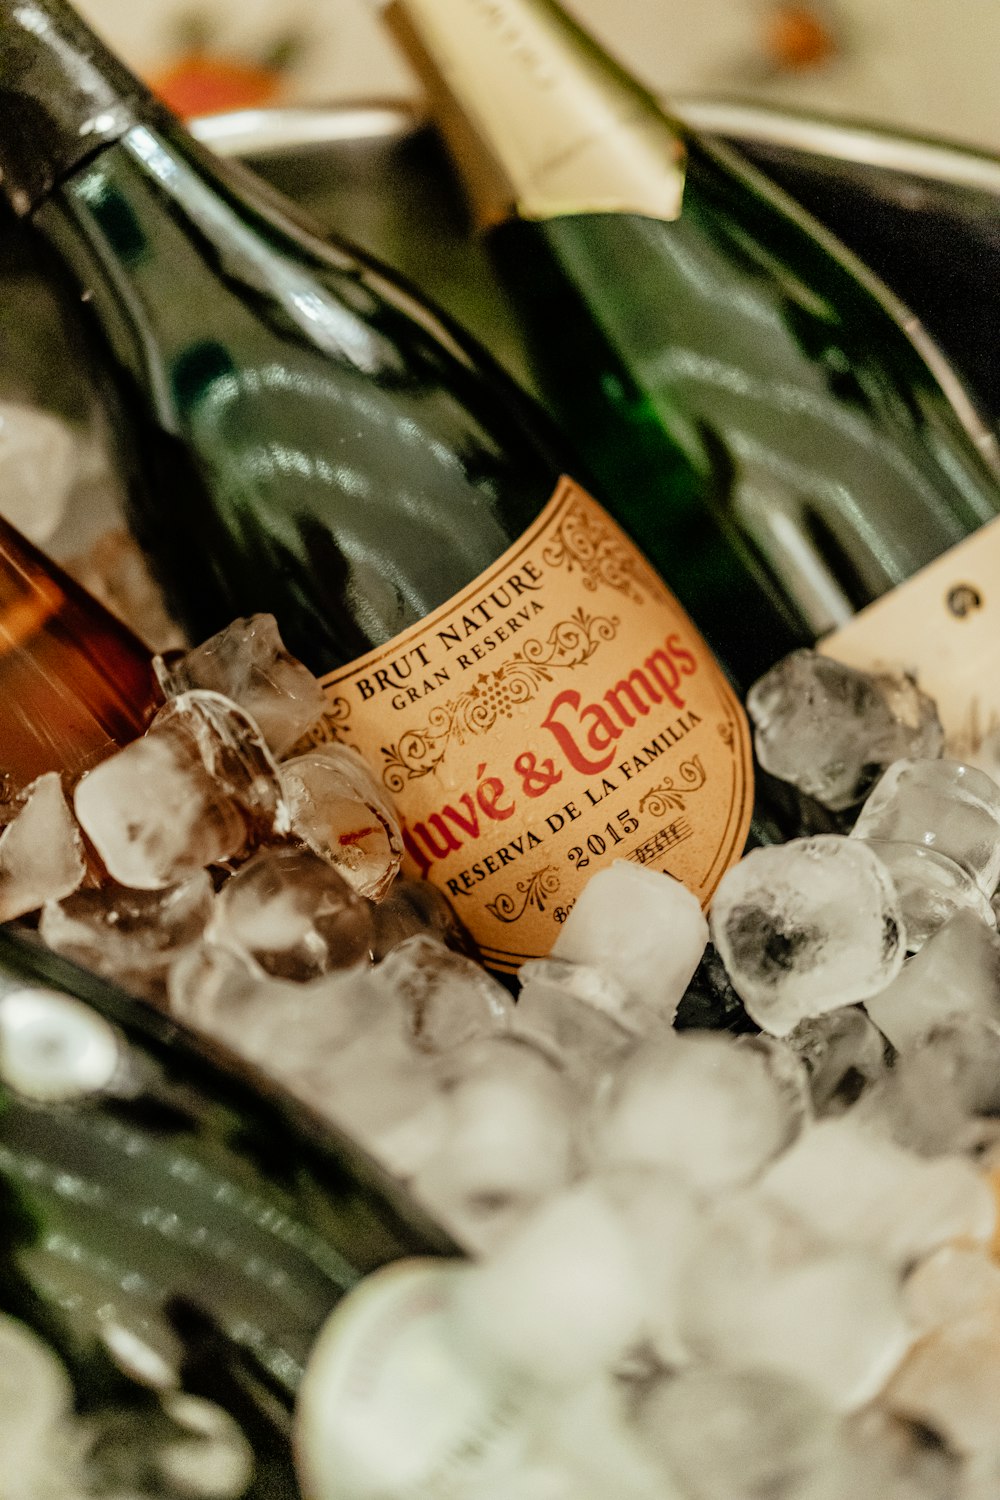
(663, 1218)
(348, 1044)
(644, 928)
(787, 1072)
(339, 810)
(587, 1449)
(698, 1105)
(127, 935)
(851, 1187)
(943, 805)
(248, 662)
(411, 907)
(195, 790)
(588, 986)
(561, 1299)
(762, 1293)
(293, 915)
(370, 1048)
(931, 889)
(41, 852)
(508, 1138)
(961, 1056)
(338, 1043)
(843, 1053)
(583, 1012)
(447, 999)
(829, 730)
(387, 1096)
(734, 1434)
(807, 926)
(956, 971)
(943, 1092)
(288, 1028)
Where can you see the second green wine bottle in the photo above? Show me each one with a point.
(725, 366)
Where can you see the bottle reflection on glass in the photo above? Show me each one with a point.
(302, 435)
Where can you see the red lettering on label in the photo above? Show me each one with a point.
(432, 839)
(632, 697)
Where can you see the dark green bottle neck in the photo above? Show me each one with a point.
(63, 98)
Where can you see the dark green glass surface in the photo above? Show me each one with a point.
(774, 426)
(304, 437)
(192, 1205)
(817, 439)
(300, 433)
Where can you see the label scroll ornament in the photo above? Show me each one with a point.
(534, 890)
(333, 728)
(494, 695)
(667, 796)
(582, 542)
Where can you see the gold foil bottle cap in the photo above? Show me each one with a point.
(543, 124)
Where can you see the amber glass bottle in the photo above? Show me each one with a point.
(74, 681)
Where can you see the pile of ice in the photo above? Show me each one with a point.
(228, 818)
(711, 1267)
(707, 1266)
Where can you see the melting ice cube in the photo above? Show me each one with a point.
(248, 663)
(807, 926)
(193, 791)
(830, 730)
(643, 928)
(41, 852)
(339, 810)
(293, 915)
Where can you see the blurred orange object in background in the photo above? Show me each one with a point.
(199, 83)
(797, 37)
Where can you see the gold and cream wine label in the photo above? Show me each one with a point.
(562, 712)
(942, 626)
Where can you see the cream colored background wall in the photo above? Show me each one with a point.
(931, 65)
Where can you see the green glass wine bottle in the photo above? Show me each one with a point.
(712, 350)
(174, 1233)
(303, 436)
